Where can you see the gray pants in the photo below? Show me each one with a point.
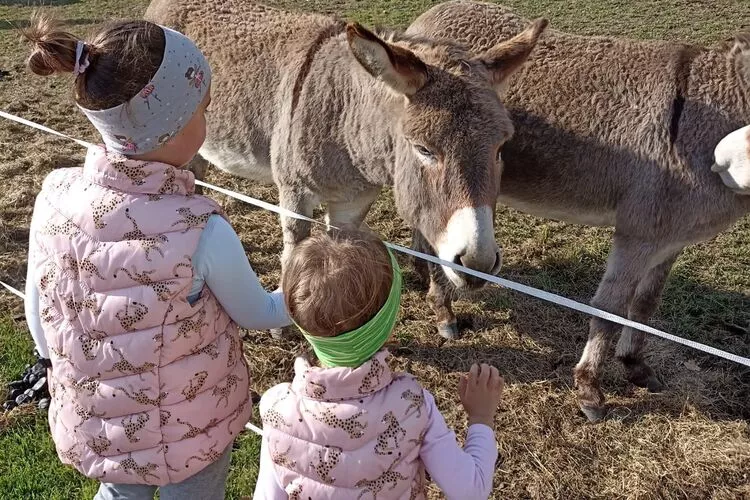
(208, 484)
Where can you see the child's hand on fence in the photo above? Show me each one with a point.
(481, 391)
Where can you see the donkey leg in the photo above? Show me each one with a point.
(293, 231)
(440, 298)
(632, 342)
(419, 243)
(198, 166)
(350, 213)
(439, 294)
(625, 269)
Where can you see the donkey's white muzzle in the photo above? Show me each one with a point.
(469, 240)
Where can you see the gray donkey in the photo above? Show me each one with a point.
(332, 112)
(619, 133)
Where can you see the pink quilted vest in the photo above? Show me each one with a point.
(146, 388)
(343, 433)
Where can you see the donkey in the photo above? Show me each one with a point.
(331, 112)
(621, 133)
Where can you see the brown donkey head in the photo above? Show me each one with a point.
(450, 129)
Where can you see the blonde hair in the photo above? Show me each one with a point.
(336, 283)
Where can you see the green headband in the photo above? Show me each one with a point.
(353, 348)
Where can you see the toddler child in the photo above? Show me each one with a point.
(351, 428)
(136, 286)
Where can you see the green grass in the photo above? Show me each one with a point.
(29, 467)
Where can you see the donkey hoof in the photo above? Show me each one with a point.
(655, 385)
(448, 330)
(641, 375)
(593, 413)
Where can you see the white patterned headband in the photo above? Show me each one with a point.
(163, 107)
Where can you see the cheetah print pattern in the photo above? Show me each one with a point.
(210, 455)
(134, 423)
(187, 265)
(188, 326)
(328, 459)
(129, 465)
(375, 486)
(420, 440)
(315, 390)
(90, 342)
(104, 206)
(86, 414)
(353, 427)
(67, 228)
(211, 350)
(295, 493)
(282, 459)
(78, 307)
(148, 243)
(190, 219)
(132, 170)
(416, 402)
(48, 278)
(392, 432)
(196, 384)
(127, 368)
(99, 445)
(64, 185)
(233, 348)
(142, 398)
(71, 455)
(164, 417)
(272, 417)
(47, 315)
(128, 321)
(88, 386)
(236, 414)
(160, 288)
(169, 186)
(371, 381)
(226, 390)
(74, 268)
(194, 431)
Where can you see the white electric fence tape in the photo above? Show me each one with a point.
(540, 294)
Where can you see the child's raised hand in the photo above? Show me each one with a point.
(481, 391)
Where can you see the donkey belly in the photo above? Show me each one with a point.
(565, 212)
(243, 160)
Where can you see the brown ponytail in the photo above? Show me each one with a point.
(123, 57)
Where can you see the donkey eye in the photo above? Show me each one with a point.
(423, 151)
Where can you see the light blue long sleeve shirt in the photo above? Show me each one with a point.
(220, 263)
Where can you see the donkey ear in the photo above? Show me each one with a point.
(397, 67)
(507, 57)
(740, 56)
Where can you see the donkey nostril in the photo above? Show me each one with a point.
(498, 262)
(457, 260)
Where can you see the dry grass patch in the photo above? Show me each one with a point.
(692, 441)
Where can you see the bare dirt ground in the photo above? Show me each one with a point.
(693, 441)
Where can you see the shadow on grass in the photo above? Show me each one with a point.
(690, 310)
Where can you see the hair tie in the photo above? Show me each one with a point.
(80, 67)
